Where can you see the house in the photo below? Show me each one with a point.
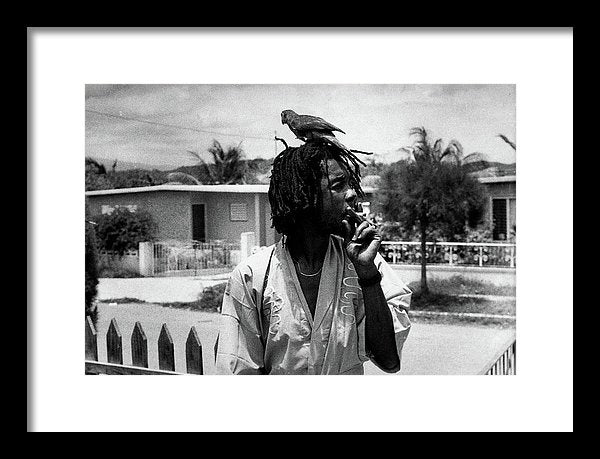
(197, 212)
(502, 205)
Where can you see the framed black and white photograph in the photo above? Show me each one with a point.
(301, 219)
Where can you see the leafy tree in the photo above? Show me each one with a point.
(96, 177)
(373, 168)
(432, 192)
(94, 166)
(91, 268)
(132, 178)
(228, 167)
(123, 230)
(259, 170)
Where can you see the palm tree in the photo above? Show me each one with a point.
(423, 150)
(182, 178)
(508, 141)
(434, 191)
(229, 166)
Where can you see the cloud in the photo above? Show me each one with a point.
(375, 117)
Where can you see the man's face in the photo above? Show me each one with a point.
(337, 194)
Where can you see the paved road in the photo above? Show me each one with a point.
(441, 349)
(431, 349)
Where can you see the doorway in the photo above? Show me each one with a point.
(198, 223)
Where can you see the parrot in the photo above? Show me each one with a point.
(309, 127)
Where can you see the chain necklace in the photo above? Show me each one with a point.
(307, 275)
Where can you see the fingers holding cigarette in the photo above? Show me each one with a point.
(363, 232)
(357, 228)
(353, 216)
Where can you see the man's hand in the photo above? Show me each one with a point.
(362, 246)
(380, 340)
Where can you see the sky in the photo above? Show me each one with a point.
(172, 119)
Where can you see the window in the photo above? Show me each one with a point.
(238, 212)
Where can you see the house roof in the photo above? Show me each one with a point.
(172, 187)
(500, 179)
(196, 188)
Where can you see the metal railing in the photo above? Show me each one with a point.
(193, 257)
(451, 253)
(505, 362)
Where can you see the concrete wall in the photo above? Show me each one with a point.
(126, 199)
(499, 190)
(171, 210)
(173, 213)
(218, 217)
(502, 189)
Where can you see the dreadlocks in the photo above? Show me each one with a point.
(295, 188)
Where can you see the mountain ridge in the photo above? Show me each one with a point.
(129, 165)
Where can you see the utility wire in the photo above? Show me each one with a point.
(112, 115)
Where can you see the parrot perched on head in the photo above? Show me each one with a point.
(309, 127)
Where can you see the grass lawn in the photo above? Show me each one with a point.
(443, 302)
(470, 321)
(460, 295)
(458, 285)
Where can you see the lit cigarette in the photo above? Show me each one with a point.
(355, 217)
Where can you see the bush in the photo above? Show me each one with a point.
(211, 298)
(123, 230)
(482, 233)
(123, 273)
(394, 231)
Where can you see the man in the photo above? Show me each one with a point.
(321, 300)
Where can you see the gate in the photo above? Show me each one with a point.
(173, 258)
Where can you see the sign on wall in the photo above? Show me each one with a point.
(238, 212)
